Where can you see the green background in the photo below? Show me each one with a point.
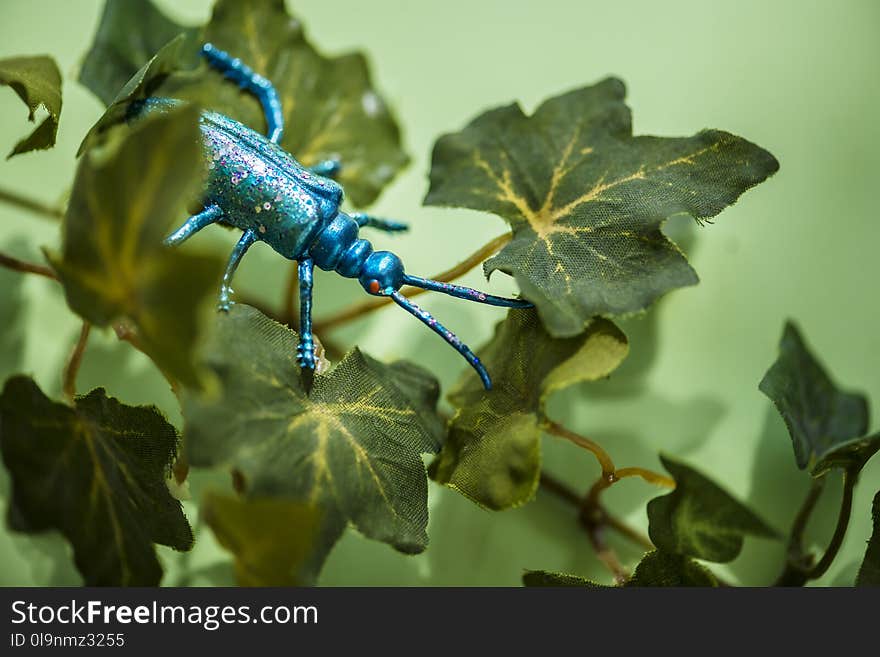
(800, 78)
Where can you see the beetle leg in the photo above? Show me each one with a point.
(248, 238)
(305, 351)
(444, 333)
(386, 225)
(327, 168)
(194, 224)
(247, 78)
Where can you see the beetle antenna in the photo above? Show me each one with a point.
(444, 333)
(464, 292)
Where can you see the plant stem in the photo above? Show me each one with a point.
(581, 441)
(12, 198)
(26, 267)
(74, 362)
(799, 567)
(849, 484)
(374, 303)
(564, 492)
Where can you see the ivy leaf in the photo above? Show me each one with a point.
(869, 573)
(272, 539)
(331, 108)
(660, 568)
(351, 448)
(586, 199)
(821, 419)
(141, 85)
(492, 453)
(37, 81)
(700, 519)
(130, 32)
(114, 265)
(546, 578)
(657, 568)
(96, 473)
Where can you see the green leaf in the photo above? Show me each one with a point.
(820, 417)
(700, 519)
(97, 473)
(492, 453)
(331, 108)
(659, 568)
(129, 34)
(272, 539)
(869, 573)
(142, 84)
(851, 455)
(37, 81)
(350, 448)
(586, 199)
(127, 195)
(547, 578)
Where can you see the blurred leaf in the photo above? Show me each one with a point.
(869, 573)
(129, 34)
(96, 473)
(37, 81)
(820, 417)
(492, 453)
(127, 194)
(586, 199)
(700, 519)
(331, 109)
(350, 448)
(547, 578)
(657, 568)
(272, 539)
(12, 329)
(141, 85)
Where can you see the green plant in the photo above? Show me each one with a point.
(585, 200)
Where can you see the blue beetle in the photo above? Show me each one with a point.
(255, 185)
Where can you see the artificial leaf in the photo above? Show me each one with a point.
(37, 81)
(331, 109)
(129, 34)
(851, 456)
(127, 195)
(351, 447)
(659, 568)
(869, 573)
(820, 417)
(546, 578)
(492, 453)
(97, 473)
(700, 519)
(272, 539)
(141, 85)
(586, 199)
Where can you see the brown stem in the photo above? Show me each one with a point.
(564, 492)
(73, 363)
(374, 303)
(797, 562)
(26, 267)
(31, 205)
(581, 441)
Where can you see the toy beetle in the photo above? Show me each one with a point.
(255, 185)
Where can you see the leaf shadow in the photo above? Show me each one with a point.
(776, 493)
